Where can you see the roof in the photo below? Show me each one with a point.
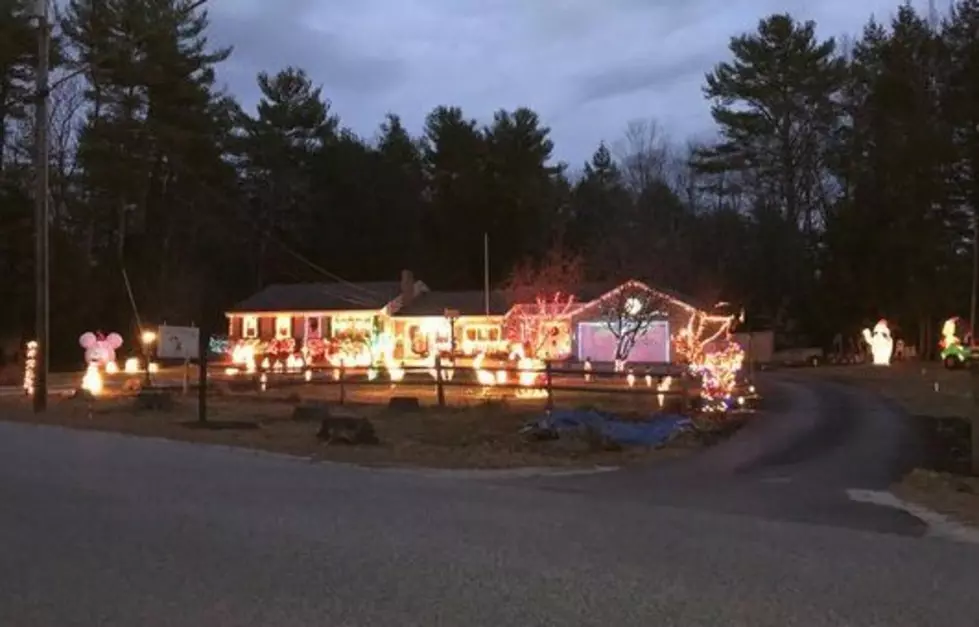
(321, 297)
(592, 291)
(466, 303)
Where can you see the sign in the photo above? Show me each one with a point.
(178, 342)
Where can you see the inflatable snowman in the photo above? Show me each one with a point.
(881, 343)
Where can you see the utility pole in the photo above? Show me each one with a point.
(41, 285)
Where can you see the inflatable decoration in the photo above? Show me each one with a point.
(100, 350)
(955, 343)
(881, 343)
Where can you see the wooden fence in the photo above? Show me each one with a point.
(544, 383)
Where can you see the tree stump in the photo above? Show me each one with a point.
(404, 403)
(154, 400)
(347, 430)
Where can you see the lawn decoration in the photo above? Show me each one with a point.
(718, 372)
(881, 343)
(956, 337)
(100, 352)
(100, 349)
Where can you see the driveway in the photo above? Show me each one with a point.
(100, 529)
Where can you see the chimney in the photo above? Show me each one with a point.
(407, 287)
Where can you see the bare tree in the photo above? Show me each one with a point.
(65, 109)
(629, 312)
(644, 154)
(543, 299)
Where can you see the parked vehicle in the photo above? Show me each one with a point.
(800, 356)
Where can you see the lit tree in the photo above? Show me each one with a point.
(628, 313)
(692, 341)
(543, 297)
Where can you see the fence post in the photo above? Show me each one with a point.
(203, 346)
(343, 388)
(548, 386)
(685, 381)
(974, 423)
(439, 389)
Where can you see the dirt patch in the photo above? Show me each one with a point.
(941, 404)
(955, 496)
(483, 435)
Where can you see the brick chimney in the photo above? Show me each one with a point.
(407, 287)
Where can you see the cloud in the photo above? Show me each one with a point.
(587, 67)
(271, 36)
(632, 77)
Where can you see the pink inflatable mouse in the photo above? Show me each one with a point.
(100, 349)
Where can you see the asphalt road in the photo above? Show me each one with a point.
(100, 529)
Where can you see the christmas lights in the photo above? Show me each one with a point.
(718, 372)
(663, 386)
(92, 381)
(544, 326)
(30, 367)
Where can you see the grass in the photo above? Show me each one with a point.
(942, 406)
(474, 434)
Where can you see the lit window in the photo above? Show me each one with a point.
(283, 327)
(249, 327)
(313, 326)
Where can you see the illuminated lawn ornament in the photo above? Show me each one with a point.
(881, 343)
(30, 368)
(92, 381)
(718, 373)
(662, 387)
(484, 377)
(100, 349)
(955, 342)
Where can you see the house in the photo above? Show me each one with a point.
(591, 324)
(407, 322)
(438, 322)
(282, 318)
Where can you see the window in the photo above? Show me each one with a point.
(313, 327)
(482, 333)
(249, 327)
(283, 327)
(418, 340)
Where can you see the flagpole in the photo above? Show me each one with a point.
(486, 275)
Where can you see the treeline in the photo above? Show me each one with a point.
(843, 185)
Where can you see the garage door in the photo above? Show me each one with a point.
(597, 343)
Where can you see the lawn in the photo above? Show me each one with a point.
(941, 403)
(479, 434)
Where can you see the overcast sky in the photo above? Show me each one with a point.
(587, 67)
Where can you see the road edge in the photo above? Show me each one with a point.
(939, 525)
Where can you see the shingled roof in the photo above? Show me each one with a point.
(466, 303)
(321, 297)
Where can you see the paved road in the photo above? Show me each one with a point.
(99, 529)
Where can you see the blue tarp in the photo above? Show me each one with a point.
(653, 431)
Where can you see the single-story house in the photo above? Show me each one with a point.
(468, 322)
(418, 323)
(585, 329)
(282, 317)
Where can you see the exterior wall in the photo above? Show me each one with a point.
(677, 315)
(299, 321)
(480, 334)
(435, 333)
